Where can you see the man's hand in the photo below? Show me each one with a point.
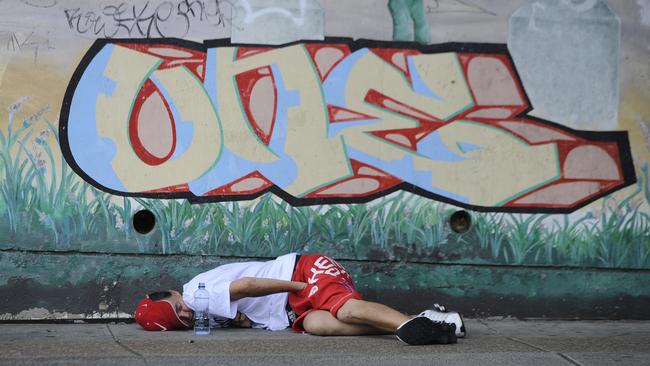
(255, 287)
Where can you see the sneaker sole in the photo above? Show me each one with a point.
(420, 331)
(448, 334)
(451, 334)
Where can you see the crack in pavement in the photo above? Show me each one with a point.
(485, 324)
(563, 356)
(126, 347)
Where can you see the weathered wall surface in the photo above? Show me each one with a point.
(357, 129)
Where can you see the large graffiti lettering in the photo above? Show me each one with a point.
(327, 122)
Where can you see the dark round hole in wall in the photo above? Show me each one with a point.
(144, 221)
(460, 222)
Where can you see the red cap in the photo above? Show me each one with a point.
(158, 315)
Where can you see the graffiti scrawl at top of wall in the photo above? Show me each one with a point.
(327, 122)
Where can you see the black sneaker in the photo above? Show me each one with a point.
(449, 333)
(421, 330)
(440, 314)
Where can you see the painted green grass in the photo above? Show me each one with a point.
(45, 206)
(44, 203)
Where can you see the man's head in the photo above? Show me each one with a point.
(164, 310)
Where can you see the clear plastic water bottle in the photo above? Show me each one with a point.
(201, 311)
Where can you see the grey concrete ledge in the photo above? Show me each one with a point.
(499, 342)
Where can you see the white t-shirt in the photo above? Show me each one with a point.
(267, 311)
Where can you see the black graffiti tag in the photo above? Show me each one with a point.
(167, 19)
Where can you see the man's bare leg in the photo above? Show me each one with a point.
(413, 331)
(321, 322)
(379, 316)
(359, 317)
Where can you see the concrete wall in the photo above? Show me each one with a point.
(492, 155)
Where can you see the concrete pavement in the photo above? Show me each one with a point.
(490, 342)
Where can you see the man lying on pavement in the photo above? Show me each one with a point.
(310, 293)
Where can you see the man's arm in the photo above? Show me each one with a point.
(255, 287)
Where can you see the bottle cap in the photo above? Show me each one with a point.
(201, 285)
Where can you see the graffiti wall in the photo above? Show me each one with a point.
(474, 152)
(320, 123)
